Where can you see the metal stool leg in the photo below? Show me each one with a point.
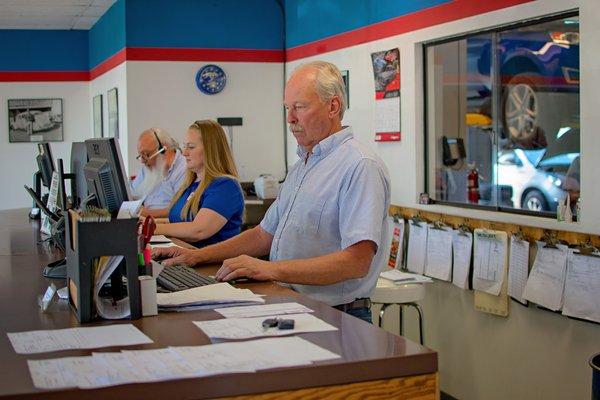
(420, 312)
(381, 313)
(400, 320)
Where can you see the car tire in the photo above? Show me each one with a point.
(521, 109)
(534, 200)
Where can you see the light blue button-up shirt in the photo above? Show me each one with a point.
(162, 194)
(338, 198)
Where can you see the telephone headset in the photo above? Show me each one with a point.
(161, 148)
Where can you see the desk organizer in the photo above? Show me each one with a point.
(90, 240)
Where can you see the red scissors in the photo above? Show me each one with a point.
(148, 228)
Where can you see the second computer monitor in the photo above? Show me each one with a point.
(45, 163)
(79, 158)
(105, 173)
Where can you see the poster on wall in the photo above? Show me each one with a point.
(35, 120)
(386, 74)
(113, 113)
(97, 105)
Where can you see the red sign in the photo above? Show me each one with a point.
(387, 137)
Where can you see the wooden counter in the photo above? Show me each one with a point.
(373, 362)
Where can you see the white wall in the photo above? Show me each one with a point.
(115, 78)
(532, 353)
(17, 160)
(164, 94)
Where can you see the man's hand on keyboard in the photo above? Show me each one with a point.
(246, 267)
(175, 255)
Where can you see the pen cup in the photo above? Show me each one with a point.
(148, 293)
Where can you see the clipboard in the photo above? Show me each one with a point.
(485, 302)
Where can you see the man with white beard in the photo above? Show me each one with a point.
(163, 170)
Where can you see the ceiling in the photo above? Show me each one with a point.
(51, 14)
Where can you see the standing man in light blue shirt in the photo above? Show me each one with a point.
(324, 231)
(162, 173)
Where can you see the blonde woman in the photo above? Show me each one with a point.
(209, 205)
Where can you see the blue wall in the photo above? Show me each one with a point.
(246, 24)
(43, 50)
(212, 24)
(310, 20)
(107, 36)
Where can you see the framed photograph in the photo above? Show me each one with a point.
(35, 120)
(98, 116)
(113, 113)
(346, 78)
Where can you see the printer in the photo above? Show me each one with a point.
(266, 186)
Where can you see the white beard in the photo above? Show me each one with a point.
(152, 177)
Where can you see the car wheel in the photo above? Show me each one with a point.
(534, 201)
(521, 109)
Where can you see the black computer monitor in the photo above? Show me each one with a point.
(105, 174)
(45, 163)
(79, 158)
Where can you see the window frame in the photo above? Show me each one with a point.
(496, 85)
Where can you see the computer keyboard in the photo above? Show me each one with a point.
(180, 277)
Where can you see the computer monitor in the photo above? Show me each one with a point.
(79, 158)
(105, 174)
(45, 163)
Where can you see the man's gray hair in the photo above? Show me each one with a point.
(329, 82)
(165, 139)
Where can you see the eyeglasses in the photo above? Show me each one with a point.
(147, 157)
(161, 149)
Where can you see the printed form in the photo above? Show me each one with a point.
(462, 248)
(77, 338)
(547, 279)
(490, 261)
(417, 246)
(518, 269)
(439, 253)
(582, 287)
(245, 328)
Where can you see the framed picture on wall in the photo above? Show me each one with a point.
(346, 77)
(35, 120)
(97, 106)
(113, 113)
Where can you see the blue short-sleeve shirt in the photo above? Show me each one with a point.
(224, 196)
(338, 198)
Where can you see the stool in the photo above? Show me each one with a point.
(405, 295)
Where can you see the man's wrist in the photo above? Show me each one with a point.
(276, 271)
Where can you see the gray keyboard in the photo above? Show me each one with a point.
(180, 277)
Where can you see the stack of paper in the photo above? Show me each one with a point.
(245, 328)
(109, 369)
(207, 297)
(404, 277)
(158, 241)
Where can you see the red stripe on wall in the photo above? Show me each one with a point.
(447, 12)
(117, 59)
(44, 76)
(235, 55)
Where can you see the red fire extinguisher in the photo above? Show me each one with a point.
(473, 185)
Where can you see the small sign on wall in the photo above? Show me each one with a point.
(387, 137)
